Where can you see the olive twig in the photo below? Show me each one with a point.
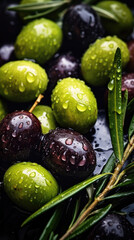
(129, 149)
(36, 102)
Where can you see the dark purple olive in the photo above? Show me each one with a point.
(6, 53)
(20, 133)
(81, 26)
(68, 155)
(112, 227)
(10, 23)
(128, 83)
(62, 66)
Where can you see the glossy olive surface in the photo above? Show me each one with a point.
(19, 134)
(68, 154)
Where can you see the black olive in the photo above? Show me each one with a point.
(68, 155)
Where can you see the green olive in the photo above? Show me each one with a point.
(124, 26)
(29, 185)
(46, 118)
(38, 40)
(22, 81)
(97, 61)
(74, 105)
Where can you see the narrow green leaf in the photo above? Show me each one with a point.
(31, 7)
(76, 209)
(129, 180)
(124, 105)
(115, 107)
(109, 166)
(63, 196)
(90, 222)
(131, 128)
(130, 107)
(52, 223)
(105, 13)
(121, 194)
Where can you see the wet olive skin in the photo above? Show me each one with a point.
(29, 185)
(20, 133)
(81, 27)
(61, 66)
(68, 155)
(112, 226)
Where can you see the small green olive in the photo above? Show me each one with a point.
(97, 61)
(121, 11)
(29, 185)
(46, 118)
(22, 81)
(38, 40)
(74, 105)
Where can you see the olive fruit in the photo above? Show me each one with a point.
(81, 26)
(3, 109)
(68, 155)
(10, 22)
(29, 185)
(130, 65)
(112, 226)
(97, 61)
(39, 40)
(124, 26)
(46, 118)
(20, 133)
(128, 83)
(22, 81)
(74, 105)
(6, 53)
(62, 66)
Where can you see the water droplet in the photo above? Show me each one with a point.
(84, 147)
(8, 127)
(111, 45)
(80, 96)
(14, 134)
(5, 91)
(72, 160)
(67, 168)
(82, 162)
(111, 85)
(69, 141)
(20, 125)
(32, 174)
(65, 105)
(21, 87)
(81, 107)
(63, 157)
(21, 180)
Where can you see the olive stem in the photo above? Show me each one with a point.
(110, 185)
(36, 102)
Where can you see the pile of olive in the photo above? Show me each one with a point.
(70, 66)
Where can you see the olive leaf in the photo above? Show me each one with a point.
(131, 128)
(120, 195)
(52, 223)
(115, 111)
(109, 166)
(124, 105)
(90, 221)
(63, 196)
(105, 13)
